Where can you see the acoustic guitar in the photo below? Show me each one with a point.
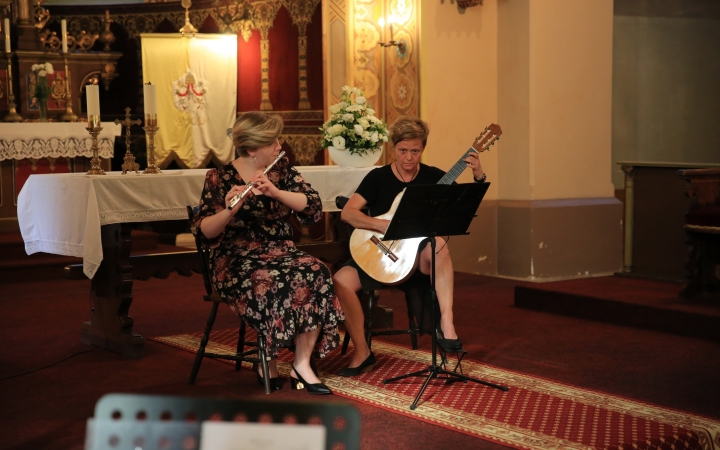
(392, 262)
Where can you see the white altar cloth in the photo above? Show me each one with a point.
(62, 213)
(54, 139)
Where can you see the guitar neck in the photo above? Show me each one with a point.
(457, 169)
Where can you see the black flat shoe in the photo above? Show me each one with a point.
(364, 367)
(316, 389)
(449, 345)
(275, 383)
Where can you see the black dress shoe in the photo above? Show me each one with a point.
(275, 383)
(364, 367)
(316, 389)
(449, 345)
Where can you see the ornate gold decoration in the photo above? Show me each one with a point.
(108, 75)
(188, 27)
(52, 43)
(237, 17)
(264, 15)
(12, 115)
(301, 12)
(57, 90)
(107, 37)
(129, 163)
(69, 115)
(41, 14)
(150, 129)
(303, 146)
(94, 128)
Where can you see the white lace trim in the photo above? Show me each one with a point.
(70, 147)
(56, 248)
(142, 216)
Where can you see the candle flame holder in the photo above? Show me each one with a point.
(12, 115)
(94, 128)
(150, 130)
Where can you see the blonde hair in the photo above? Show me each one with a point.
(255, 129)
(409, 127)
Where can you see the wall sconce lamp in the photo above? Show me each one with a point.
(401, 46)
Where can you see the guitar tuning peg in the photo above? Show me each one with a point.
(497, 138)
(493, 143)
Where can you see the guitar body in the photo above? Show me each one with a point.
(392, 262)
(375, 261)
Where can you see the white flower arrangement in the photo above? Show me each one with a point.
(353, 125)
(43, 69)
(42, 89)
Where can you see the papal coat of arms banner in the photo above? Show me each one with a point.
(196, 79)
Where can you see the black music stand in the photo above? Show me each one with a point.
(430, 211)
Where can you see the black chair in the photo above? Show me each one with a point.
(256, 354)
(131, 421)
(369, 299)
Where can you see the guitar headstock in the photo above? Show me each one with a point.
(490, 134)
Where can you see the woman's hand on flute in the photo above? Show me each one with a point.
(232, 193)
(263, 184)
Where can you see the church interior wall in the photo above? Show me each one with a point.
(666, 95)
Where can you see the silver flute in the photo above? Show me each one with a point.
(248, 187)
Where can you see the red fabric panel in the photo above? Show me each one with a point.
(209, 26)
(24, 168)
(314, 61)
(284, 89)
(3, 90)
(248, 91)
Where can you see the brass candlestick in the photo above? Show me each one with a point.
(94, 128)
(150, 130)
(69, 116)
(12, 116)
(129, 163)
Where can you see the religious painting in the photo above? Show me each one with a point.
(56, 84)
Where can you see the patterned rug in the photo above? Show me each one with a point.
(534, 414)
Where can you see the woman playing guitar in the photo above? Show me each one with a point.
(377, 192)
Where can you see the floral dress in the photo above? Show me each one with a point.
(255, 267)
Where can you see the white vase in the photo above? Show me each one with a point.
(346, 159)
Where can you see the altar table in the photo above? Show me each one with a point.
(81, 215)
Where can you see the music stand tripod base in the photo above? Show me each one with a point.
(430, 211)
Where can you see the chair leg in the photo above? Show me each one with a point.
(262, 355)
(203, 343)
(368, 317)
(413, 327)
(346, 341)
(240, 344)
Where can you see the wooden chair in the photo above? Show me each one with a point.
(369, 299)
(702, 231)
(256, 354)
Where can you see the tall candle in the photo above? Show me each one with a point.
(6, 25)
(92, 94)
(63, 27)
(149, 92)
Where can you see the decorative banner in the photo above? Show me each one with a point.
(196, 79)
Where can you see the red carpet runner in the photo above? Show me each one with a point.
(535, 413)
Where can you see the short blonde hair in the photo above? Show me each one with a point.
(409, 127)
(255, 129)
